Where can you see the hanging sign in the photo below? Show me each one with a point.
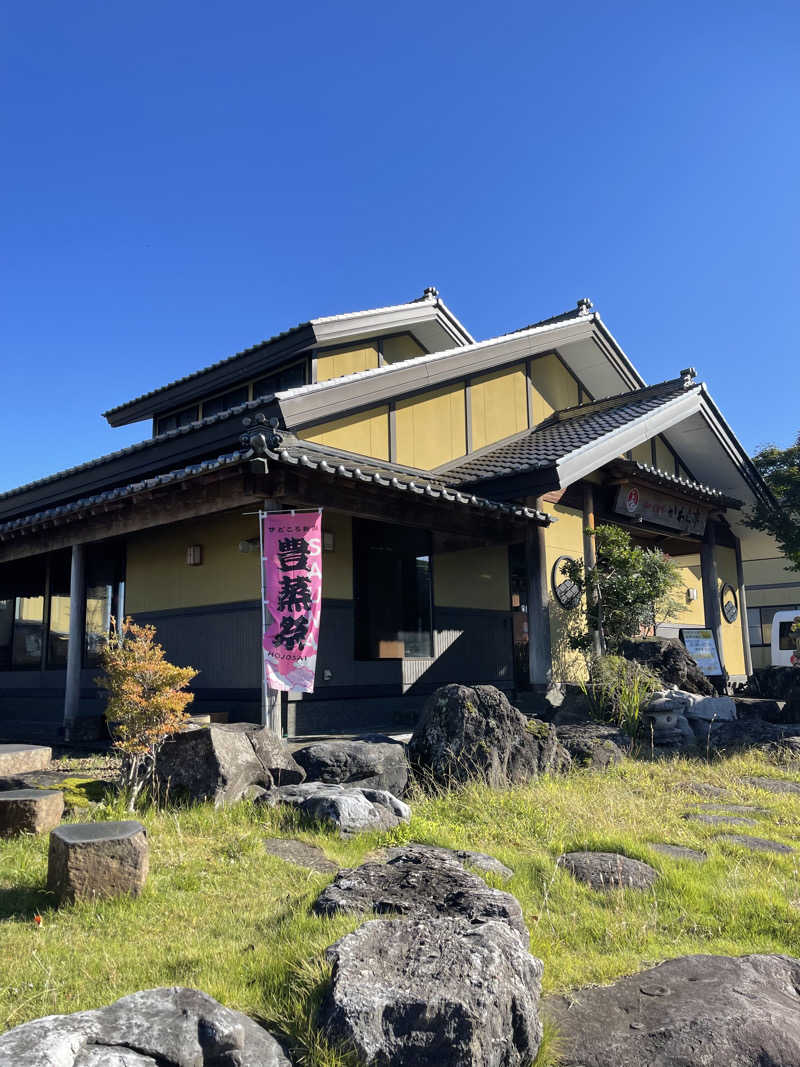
(292, 597)
(729, 603)
(565, 590)
(702, 647)
(648, 504)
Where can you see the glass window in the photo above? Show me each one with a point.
(165, 423)
(228, 400)
(28, 632)
(58, 632)
(393, 603)
(754, 625)
(104, 598)
(287, 378)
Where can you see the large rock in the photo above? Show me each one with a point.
(473, 732)
(420, 882)
(374, 762)
(434, 993)
(668, 658)
(97, 859)
(30, 811)
(593, 745)
(696, 1011)
(171, 1027)
(350, 809)
(220, 762)
(745, 733)
(608, 870)
(481, 861)
(19, 759)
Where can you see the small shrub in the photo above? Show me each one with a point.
(619, 688)
(146, 699)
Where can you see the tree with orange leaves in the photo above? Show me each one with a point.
(146, 699)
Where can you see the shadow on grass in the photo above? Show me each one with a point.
(23, 902)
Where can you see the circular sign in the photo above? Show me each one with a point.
(565, 590)
(729, 603)
(632, 500)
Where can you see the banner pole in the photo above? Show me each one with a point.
(270, 698)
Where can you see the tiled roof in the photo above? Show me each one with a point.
(290, 450)
(674, 481)
(563, 434)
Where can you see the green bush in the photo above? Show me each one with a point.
(618, 688)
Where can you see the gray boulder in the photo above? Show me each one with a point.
(744, 733)
(696, 1011)
(668, 658)
(473, 732)
(433, 993)
(479, 860)
(608, 870)
(220, 762)
(593, 745)
(420, 882)
(350, 809)
(170, 1027)
(376, 762)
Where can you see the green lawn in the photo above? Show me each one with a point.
(220, 914)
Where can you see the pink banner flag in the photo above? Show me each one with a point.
(292, 563)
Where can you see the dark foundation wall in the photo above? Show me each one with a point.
(32, 705)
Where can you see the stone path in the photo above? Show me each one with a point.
(756, 844)
(608, 870)
(301, 854)
(679, 852)
(719, 820)
(703, 789)
(773, 785)
(17, 759)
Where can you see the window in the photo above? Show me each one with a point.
(759, 624)
(287, 378)
(225, 401)
(393, 602)
(165, 423)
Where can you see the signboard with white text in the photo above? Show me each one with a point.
(702, 647)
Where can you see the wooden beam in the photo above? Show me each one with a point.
(748, 655)
(540, 652)
(708, 571)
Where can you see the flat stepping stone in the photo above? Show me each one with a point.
(679, 852)
(756, 844)
(608, 870)
(481, 861)
(301, 854)
(773, 785)
(30, 811)
(98, 859)
(420, 884)
(719, 820)
(703, 789)
(733, 809)
(18, 759)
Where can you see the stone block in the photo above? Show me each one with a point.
(20, 759)
(98, 859)
(30, 811)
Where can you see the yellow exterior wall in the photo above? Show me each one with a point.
(733, 648)
(366, 433)
(346, 361)
(474, 578)
(337, 566)
(554, 388)
(396, 349)
(694, 610)
(665, 461)
(157, 577)
(431, 428)
(499, 405)
(565, 538)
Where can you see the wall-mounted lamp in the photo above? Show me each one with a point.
(194, 555)
(328, 541)
(691, 594)
(250, 545)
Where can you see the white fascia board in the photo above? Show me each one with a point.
(627, 366)
(325, 400)
(613, 445)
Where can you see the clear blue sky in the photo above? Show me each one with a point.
(180, 180)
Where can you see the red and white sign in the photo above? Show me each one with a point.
(632, 500)
(292, 577)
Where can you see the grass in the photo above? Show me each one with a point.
(220, 914)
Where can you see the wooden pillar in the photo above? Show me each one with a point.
(708, 571)
(77, 615)
(590, 559)
(540, 653)
(742, 596)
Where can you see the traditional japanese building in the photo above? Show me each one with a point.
(454, 476)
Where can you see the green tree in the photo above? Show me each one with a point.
(629, 591)
(146, 699)
(780, 469)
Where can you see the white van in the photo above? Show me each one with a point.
(784, 642)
